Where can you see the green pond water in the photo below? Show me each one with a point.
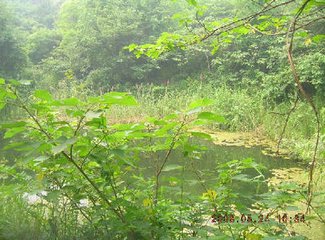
(207, 167)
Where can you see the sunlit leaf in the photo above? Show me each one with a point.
(71, 102)
(201, 103)
(12, 125)
(43, 94)
(13, 131)
(211, 116)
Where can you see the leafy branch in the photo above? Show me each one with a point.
(70, 157)
(161, 167)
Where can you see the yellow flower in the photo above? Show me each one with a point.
(211, 194)
(147, 202)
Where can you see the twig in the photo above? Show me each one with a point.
(243, 21)
(159, 170)
(307, 97)
(286, 123)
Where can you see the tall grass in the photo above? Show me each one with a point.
(244, 111)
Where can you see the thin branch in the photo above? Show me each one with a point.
(307, 97)
(201, 23)
(73, 202)
(286, 123)
(159, 170)
(242, 21)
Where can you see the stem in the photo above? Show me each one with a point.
(159, 170)
(286, 123)
(307, 97)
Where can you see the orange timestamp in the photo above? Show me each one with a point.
(219, 218)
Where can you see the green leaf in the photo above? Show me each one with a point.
(318, 38)
(201, 103)
(93, 164)
(251, 236)
(43, 94)
(22, 146)
(12, 125)
(119, 99)
(75, 112)
(63, 146)
(318, 2)
(242, 30)
(14, 82)
(13, 131)
(192, 2)
(2, 105)
(172, 167)
(71, 102)
(211, 116)
(97, 122)
(201, 135)
(2, 81)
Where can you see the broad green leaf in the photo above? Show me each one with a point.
(199, 122)
(171, 116)
(251, 236)
(97, 122)
(93, 164)
(22, 146)
(192, 2)
(131, 47)
(12, 125)
(71, 102)
(2, 81)
(318, 38)
(13, 131)
(10, 95)
(211, 116)
(242, 30)
(43, 94)
(14, 82)
(318, 2)
(60, 148)
(201, 135)
(201, 103)
(75, 112)
(2, 105)
(119, 99)
(172, 167)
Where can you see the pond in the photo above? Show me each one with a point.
(205, 169)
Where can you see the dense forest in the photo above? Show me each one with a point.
(162, 119)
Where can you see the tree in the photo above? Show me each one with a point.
(12, 57)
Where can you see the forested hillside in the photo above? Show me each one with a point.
(117, 119)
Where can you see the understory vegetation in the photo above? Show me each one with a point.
(109, 111)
